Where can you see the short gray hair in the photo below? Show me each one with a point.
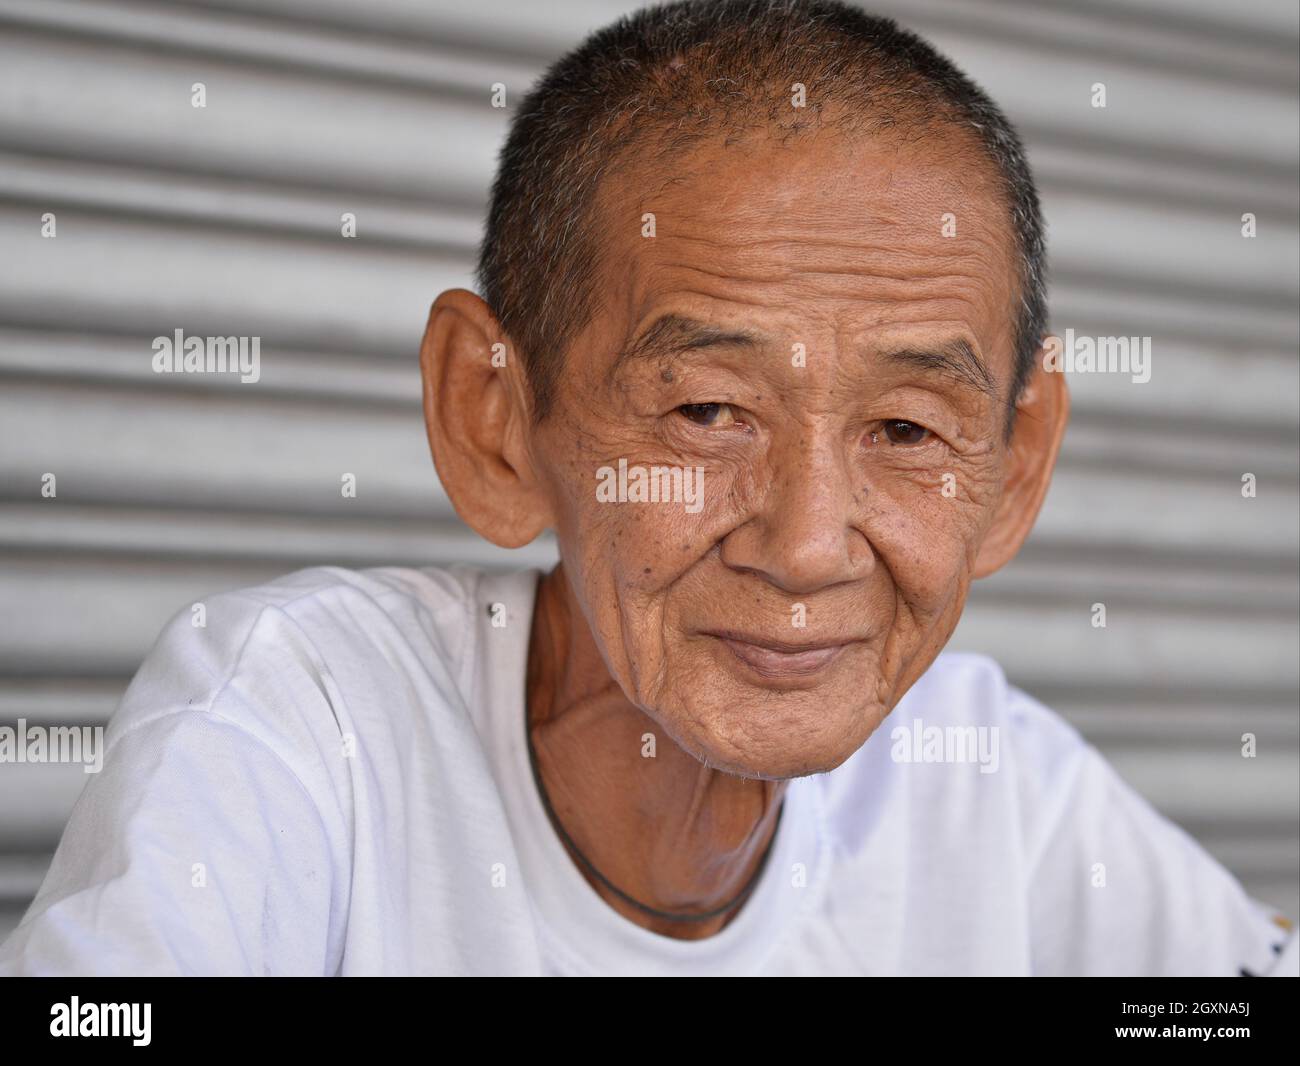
(666, 76)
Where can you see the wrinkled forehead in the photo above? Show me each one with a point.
(857, 229)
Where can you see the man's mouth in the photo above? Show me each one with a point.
(778, 658)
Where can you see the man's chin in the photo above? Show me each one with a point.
(788, 767)
(794, 735)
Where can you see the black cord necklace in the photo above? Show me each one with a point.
(610, 886)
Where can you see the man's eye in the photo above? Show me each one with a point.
(900, 431)
(709, 414)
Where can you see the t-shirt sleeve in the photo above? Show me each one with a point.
(1117, 889)
(196, 849)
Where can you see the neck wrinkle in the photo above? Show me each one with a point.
(689, 841)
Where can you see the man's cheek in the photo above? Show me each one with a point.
(924, 544)
(955, 495)
(642, 545)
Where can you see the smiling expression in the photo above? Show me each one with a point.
(801, 328)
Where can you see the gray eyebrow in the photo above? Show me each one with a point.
(956, 358)
(673, 334)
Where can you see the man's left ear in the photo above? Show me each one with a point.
(1041, 415)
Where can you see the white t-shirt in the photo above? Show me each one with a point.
(331, 777)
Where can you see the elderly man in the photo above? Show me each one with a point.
(760, 339)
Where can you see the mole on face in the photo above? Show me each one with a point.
(666, 375)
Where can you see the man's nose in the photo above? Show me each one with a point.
(803, 533)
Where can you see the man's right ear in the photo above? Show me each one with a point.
(476, 413)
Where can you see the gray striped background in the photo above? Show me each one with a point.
(225, 220)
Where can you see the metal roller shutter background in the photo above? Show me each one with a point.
(225, 220)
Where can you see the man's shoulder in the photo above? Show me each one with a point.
(963, 689)
(315, 593)
(961, 742)
(320, 602)
(309, 638)
(309, 606)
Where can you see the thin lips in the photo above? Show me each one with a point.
(779, 645)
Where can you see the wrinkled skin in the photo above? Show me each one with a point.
(824, 486)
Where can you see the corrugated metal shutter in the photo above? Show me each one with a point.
(226, 220)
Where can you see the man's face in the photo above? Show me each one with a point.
(801, 327)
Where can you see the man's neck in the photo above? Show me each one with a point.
(655, 821)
